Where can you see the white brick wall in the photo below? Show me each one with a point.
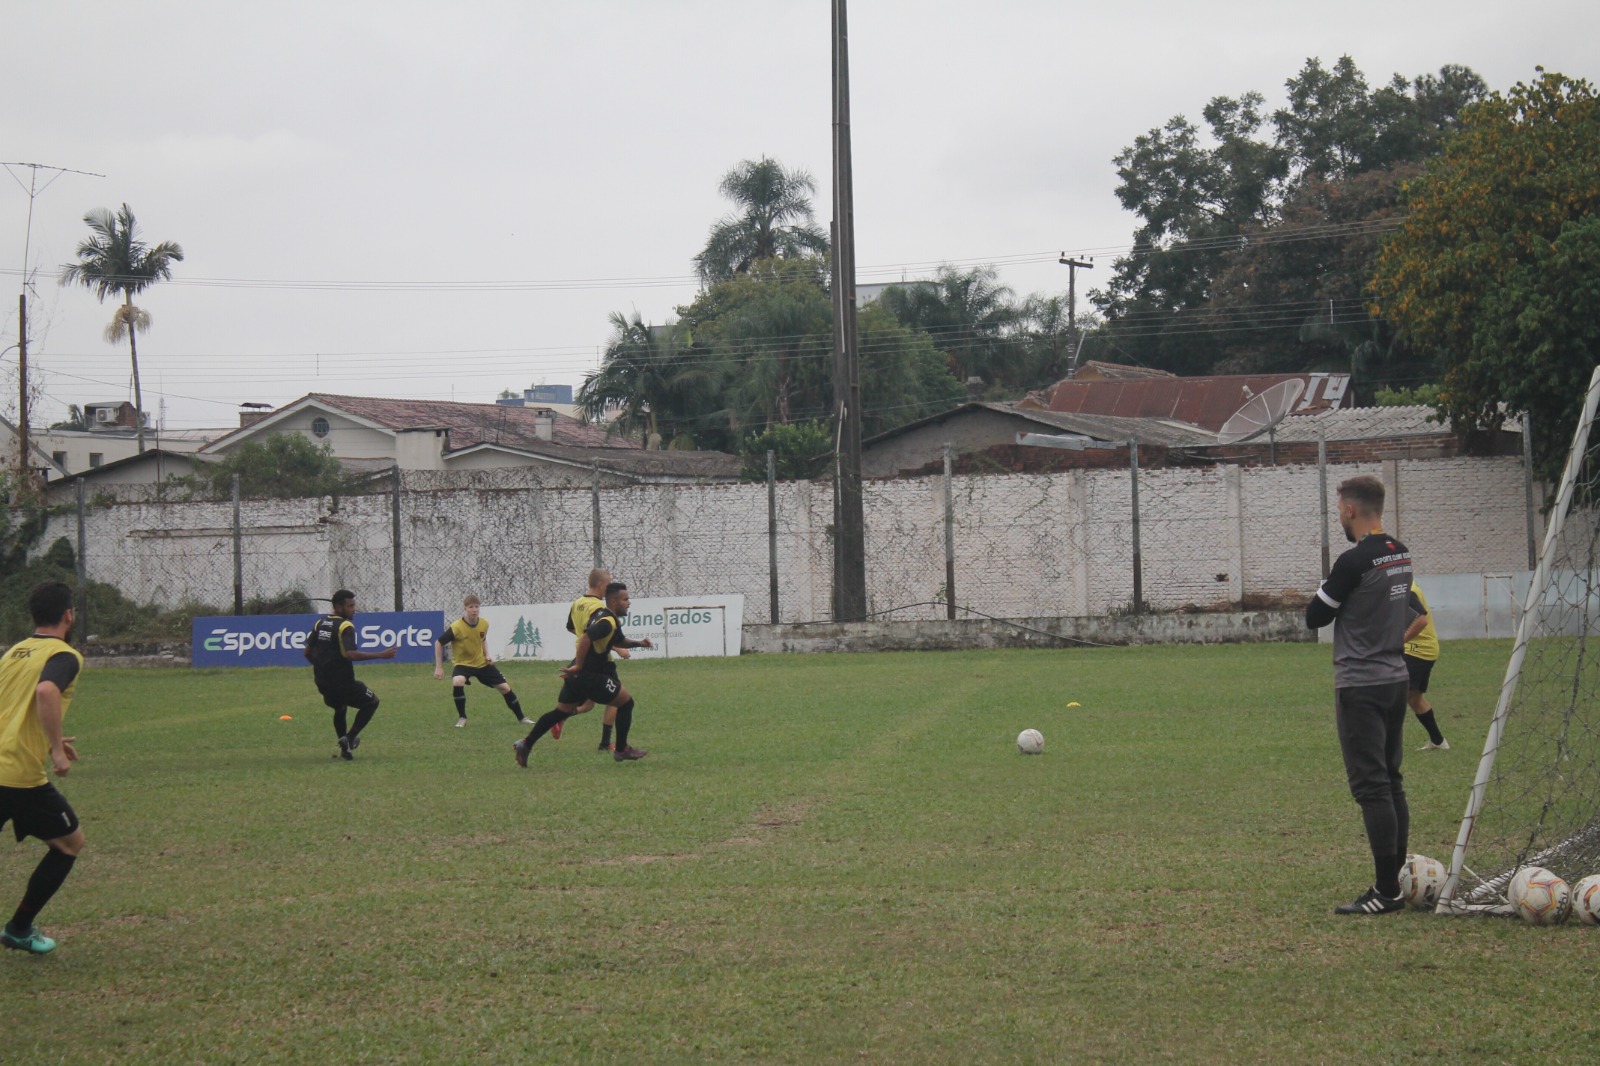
(1026, 545)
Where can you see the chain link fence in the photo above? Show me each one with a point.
(1074, 543)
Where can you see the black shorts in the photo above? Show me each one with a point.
(338, 694)
(41, 812)
(1419, 669)
(602, 688)
(484, 675)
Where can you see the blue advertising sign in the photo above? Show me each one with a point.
(280, 639)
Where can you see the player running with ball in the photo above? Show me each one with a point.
(593, 676)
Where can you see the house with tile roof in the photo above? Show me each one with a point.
(368, 432)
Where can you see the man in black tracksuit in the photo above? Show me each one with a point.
(1366, 598)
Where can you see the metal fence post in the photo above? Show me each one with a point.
(82, 604)
(772, 536)
(394, 522)
(1527, 488)
(1138, 562)
(949, 539)
(238, 552)
(1322, 493)
(594, 500)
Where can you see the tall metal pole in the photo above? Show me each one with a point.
(1527, 488)
(1138, 561)
(83, 572)
(24, 478)
(594, 507)
(394, 534)
(1322, 493)
(238, 551)
(949, 538)
(772, 536)
(849, 546)
(1073, 266)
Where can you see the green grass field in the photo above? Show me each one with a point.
(824, 859)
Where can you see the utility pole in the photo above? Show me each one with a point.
(1073, 266)
(849, 544)
(24, 478)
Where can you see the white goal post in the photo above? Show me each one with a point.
(1535, 800)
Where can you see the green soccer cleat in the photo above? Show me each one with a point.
(34, 942)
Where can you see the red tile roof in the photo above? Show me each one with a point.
(1205, 402)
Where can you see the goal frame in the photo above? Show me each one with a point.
(1489, 895)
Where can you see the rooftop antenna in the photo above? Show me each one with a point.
(1260, 414)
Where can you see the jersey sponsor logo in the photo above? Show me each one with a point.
(280, 639)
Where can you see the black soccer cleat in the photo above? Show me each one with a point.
(520, 750)
(1372, 902)
(345, 748)
(628, 754)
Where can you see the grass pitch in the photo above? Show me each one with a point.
(824, 859)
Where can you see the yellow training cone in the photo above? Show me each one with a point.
(1074, 703)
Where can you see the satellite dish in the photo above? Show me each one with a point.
(1261, 412)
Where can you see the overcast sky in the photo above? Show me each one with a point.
(446, 200)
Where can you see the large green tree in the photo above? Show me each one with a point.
(1252, 252)
(115, 262)
(772, 220)
(1495, 270)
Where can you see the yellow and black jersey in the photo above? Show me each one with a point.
(330, 641)
(582, 608)
(468, 643)
(1425, 645)
(604, 631)
(24, 749)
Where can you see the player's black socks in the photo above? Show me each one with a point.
(624, 723)
(1387, 868)
(515, 705)
(605, 736)
(543, 725)
(461, 702)
(1431, 726)
(363, 716)
(341, 724)
(47, 877)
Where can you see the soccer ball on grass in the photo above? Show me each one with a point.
(1030, 742)
(1539, 897)
(1421, 878)
(1586, 900)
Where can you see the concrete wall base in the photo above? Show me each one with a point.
(1232, 627)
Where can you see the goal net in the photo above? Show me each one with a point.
(1535, 800)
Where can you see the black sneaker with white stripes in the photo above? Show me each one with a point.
(1372, 902)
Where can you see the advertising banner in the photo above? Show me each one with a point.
(680, 626)
(280, 639)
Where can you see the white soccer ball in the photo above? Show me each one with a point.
(1421, 878)
(1030, 742)
(1539, 897)
(1586, 900)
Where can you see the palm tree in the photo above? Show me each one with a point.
(115, 261)
(773, 220)
(969, 316)
(646, 378)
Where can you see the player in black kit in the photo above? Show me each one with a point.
(1366, 597)
(593, 676)
(331, 650)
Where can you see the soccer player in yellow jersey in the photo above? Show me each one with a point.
(470, 654)
(37, 679)
(1421, 652)
(578, 616)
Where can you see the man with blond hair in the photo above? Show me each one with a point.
(471, 661)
